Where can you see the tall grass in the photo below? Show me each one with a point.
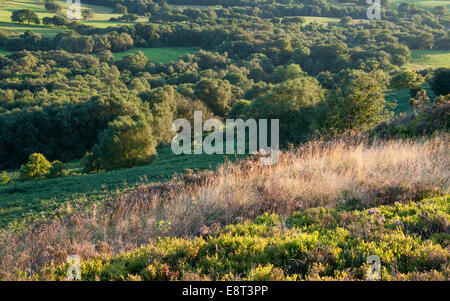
(342, 174)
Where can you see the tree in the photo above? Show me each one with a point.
(358, 103)
(105, 56)
(57, 170)
(25, 15)
(126, 143)
(52, 6)
(87, 14)
(440, 83)
(120, 9)
(56, 20)
(37, 167)
(440, 10)
(133, 62)
(408, 80)
(294, 103)
(215, 93)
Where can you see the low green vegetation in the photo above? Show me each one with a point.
(23, 201)
(422, 59)
(421, 3)
(4, 52)
(159, 55)
(411, 240)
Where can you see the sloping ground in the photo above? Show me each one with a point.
(423, 59)
(411, 240)
(347, 178)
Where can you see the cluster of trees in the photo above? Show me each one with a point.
(125, 18)
(25, 15)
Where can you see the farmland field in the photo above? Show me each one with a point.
(421, 59)
(320, 20)
(421, 3)
(160, 55)
(101, 17)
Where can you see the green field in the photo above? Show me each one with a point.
(160, 55)
(401, 99)
(101, 16)
(422, 59)
(421, 3)
(320, 20)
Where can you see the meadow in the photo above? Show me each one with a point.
(422, 59)
(100, 19)
(159, 55)
(421, 3)
(23, 201)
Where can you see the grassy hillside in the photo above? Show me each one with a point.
(101, 16)
(422, 59)
(316, 244)
(159, 55)
(421, 3)
(350, 180)
(401, 99)
(25, 200)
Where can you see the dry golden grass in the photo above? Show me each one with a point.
(330, 174)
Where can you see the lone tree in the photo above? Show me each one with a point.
(25, 15)
(37, 167)
(52, 6)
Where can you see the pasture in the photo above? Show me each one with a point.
(159, 55)
(101, 17)
(422, 59)
(421, 3)
(24, 200)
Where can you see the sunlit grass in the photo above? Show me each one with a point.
(421, 59)
(160, 55)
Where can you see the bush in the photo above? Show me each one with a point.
(58, 170)
(37, 167)
(4, 177)
(126, 143)
(441, 81)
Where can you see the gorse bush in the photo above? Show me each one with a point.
(4, 177)
(57, 170)
(325, 244)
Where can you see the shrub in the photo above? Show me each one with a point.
(441, 83)
(4, 177)
(126, 143)
(37, 167)
(58, 170)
